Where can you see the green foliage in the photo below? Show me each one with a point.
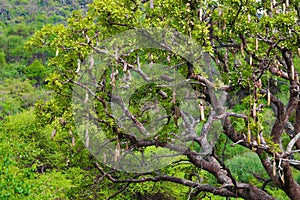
(12, 178)
(2, 60)
(15, 12)
(12, 71)
(13, 150)
(245, 166)
(37, 72)
(33, 166)
(17, 95)
(224, 148)
(275, 192)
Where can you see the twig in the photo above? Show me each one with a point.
(292, 143)
(233, 144)
(119, 191)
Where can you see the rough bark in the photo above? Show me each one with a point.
(297, 124)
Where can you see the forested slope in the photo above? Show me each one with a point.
(32, 165)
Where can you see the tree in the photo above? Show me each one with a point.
(36, 71)
(253, 44)
(2, 59)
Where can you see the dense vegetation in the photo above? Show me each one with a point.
(42, 151)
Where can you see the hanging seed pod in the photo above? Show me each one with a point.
(73, 138)
(293, 71)
(117, 54)
(254, 109)
(87, 138)
(125, 67)
(259, 84)
(250, 60)
(217, 61)
(116, 155)
(249, 135)
(258, 139)
(271, 6)
(104, 158)
(220, 12)
(274, 166)
(56, 53)
(73, 141)
(128, 76)
(249, 18)
(287, 3)
(78, 66)
(283, 8)
(269, 97)
(242, 50)
(168, 58)
(86, 100)
(117, 151)
(127, 146)
(256, 44)
(151, 4)
(53, 134)
(200, 14)
(188, 7)
(92, 62)
(151, 60)
(224, 25)
(113, 81)
(201, 107)
(299, 52)
(173, 101)
(282, 178)
(262, 139)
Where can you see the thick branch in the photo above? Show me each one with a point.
(203, 187)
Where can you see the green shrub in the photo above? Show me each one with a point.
(36, 71)
(243, 167)
(2, 59)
